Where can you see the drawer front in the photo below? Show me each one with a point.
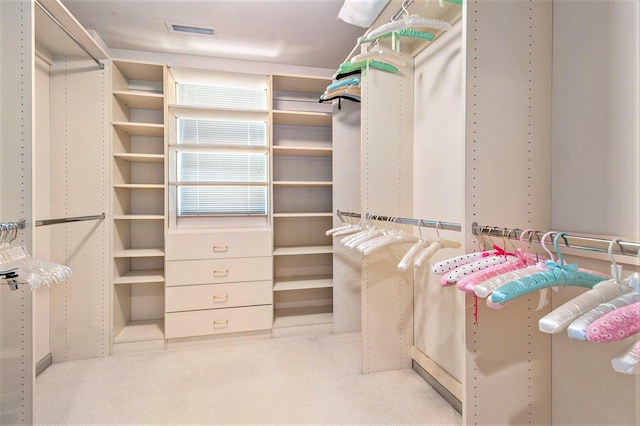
(218, 245)
(216, 296)
(186, 272)
(218, 321)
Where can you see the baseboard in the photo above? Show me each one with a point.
(439, 379)
(43, 364)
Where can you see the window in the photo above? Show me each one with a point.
(219, 148)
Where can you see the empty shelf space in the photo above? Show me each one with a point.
(140, 129)
(140, 158)
(303, 215)
(302, 250)
(140, 252)
(139, 217)
(140, 100)
(301, 183)
(137, 331)
(296, 317)
(303, 151)
(302, 283)
(300, 118)
(141, 276)
(138, 186)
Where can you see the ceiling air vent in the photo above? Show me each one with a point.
(191, 29)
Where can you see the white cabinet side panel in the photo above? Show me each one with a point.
(79, 187)
(387, 177)
(41, 203)
(596, 105)
(346, 197)
(507, 183)
(438, 194)
(16, 127)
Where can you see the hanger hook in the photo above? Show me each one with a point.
(544, 245)
(438, 223)
(555, 246)
(420, 228)
(614, 266)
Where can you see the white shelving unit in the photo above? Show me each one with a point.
(138, 207)
(301, 205)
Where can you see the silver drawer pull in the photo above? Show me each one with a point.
(220, 299)
(220, 272)
(220, 249)
(220, 324)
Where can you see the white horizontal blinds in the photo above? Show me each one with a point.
(211, 179)
(222, 132)
(221, 167)
(222, 200)
(221, 97)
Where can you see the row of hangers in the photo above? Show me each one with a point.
(18, 267)
(607, 312)
(382, 58)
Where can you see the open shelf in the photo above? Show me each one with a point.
(302, 283)
(140, 252)
(297, 317)
(139, 331)
(141, 276)
(140, 129)
(302, 118)
(139, 158)
(303, 215)
(303, 151)
(140, 100)
(302, 250)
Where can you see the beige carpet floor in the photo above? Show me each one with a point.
(296, 380)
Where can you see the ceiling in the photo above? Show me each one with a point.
(291, 32)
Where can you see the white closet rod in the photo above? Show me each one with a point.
(69, 219)
(600, 245)
(449, 226)
(75, 40)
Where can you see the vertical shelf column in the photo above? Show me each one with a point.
(508, 133)
(139, 206)
(301, 205)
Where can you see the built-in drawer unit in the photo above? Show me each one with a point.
(218, 245)
(211, 271)
(217, 296)
(218, 321)
(218, 282)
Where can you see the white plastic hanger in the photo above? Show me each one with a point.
(558, 319)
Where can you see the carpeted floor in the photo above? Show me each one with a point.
(297, 380)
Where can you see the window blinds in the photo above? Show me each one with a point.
(213, 180)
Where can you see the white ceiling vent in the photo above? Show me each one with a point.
(191, 29)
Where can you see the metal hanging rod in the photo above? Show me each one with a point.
(75, 40)
(348, 214)
(449, 226)
(69, 219)
(600, 245)
(17, 225)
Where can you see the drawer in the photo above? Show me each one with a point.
(218, 245)
(216, 296)
(218, 321)
(186, 272)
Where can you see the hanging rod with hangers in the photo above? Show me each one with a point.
(71, 36)
(449, 226)
(594, 244)
(69, 219)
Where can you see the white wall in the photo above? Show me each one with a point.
(596, 105)
(438, 194)
(596, 185)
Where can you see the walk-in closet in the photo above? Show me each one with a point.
(436, 220)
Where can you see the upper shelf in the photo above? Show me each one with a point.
(204, 113)
(303, 151)
(54, 39)
(140, 100)
(297, 118)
